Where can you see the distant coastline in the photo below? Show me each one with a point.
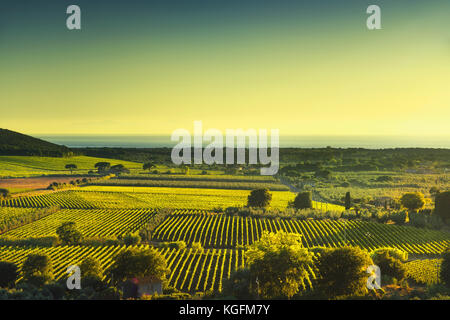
(159, 141)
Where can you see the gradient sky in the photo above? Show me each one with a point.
(150, 67)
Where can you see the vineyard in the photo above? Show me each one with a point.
(219, 230)
(192, 184)
(91, 223)
(424, 271)
(203, 177)
(190, 270)
(92, 197)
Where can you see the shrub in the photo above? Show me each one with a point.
(417, 219)
(174, 245)
(412, 201)
(4, 193)
(444, 273)
(442, 205)
(8, 274)
(37, 269)
(138, 263)
(131, 239)
(68, 233)
(303, 200)
(343, 271)
(398, 217)
(259, 198)
(197, 246)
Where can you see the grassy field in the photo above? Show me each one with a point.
(28, 166)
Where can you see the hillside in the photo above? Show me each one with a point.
(16, 144)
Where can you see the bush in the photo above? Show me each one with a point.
(68, 233)
(4, 193)
(179, 245)
(442, 205)
(259, 198)
(343, 271)
(37, 269)
(398, 217)
(131, 239)
(445, 268)
(138, 263)
(303, 200)
(412, 201)
(391, 262)
(197, 246)
(417, 219)
(8, 274)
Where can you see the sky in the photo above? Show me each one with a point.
(151, 67)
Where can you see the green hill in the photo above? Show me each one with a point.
(16, 144)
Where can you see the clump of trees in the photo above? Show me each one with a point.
(413, 201)
(442, 205)
(303, 200)
(58, 185)
(444, 273)
(148, 166)
(277, 265)
(348, 201)
(138, 263)
(37, 270)
(342, 272)
(4, 193)
(259, 198)
(69, 234)
(9, 273)
(71, 167)
(102, 167)
(391, 262)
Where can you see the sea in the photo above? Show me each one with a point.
(159, 141)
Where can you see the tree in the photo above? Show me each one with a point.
(240, 285)
(412, 201)
(326, 174)
(131, 239)
(444, 273)
(119, 168)
(138, 263)
(434, 191)
(148, 166)
(342, 271)
(348, 201)
(71, 167)
(91, 274)
(68, 233)
(303, 200)
(259, 198)
(4, 193)
(90, 267)
(102, 166)
(442, 205)
(8, 274)
(391, 262)
(37, 269)
(278, 264)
